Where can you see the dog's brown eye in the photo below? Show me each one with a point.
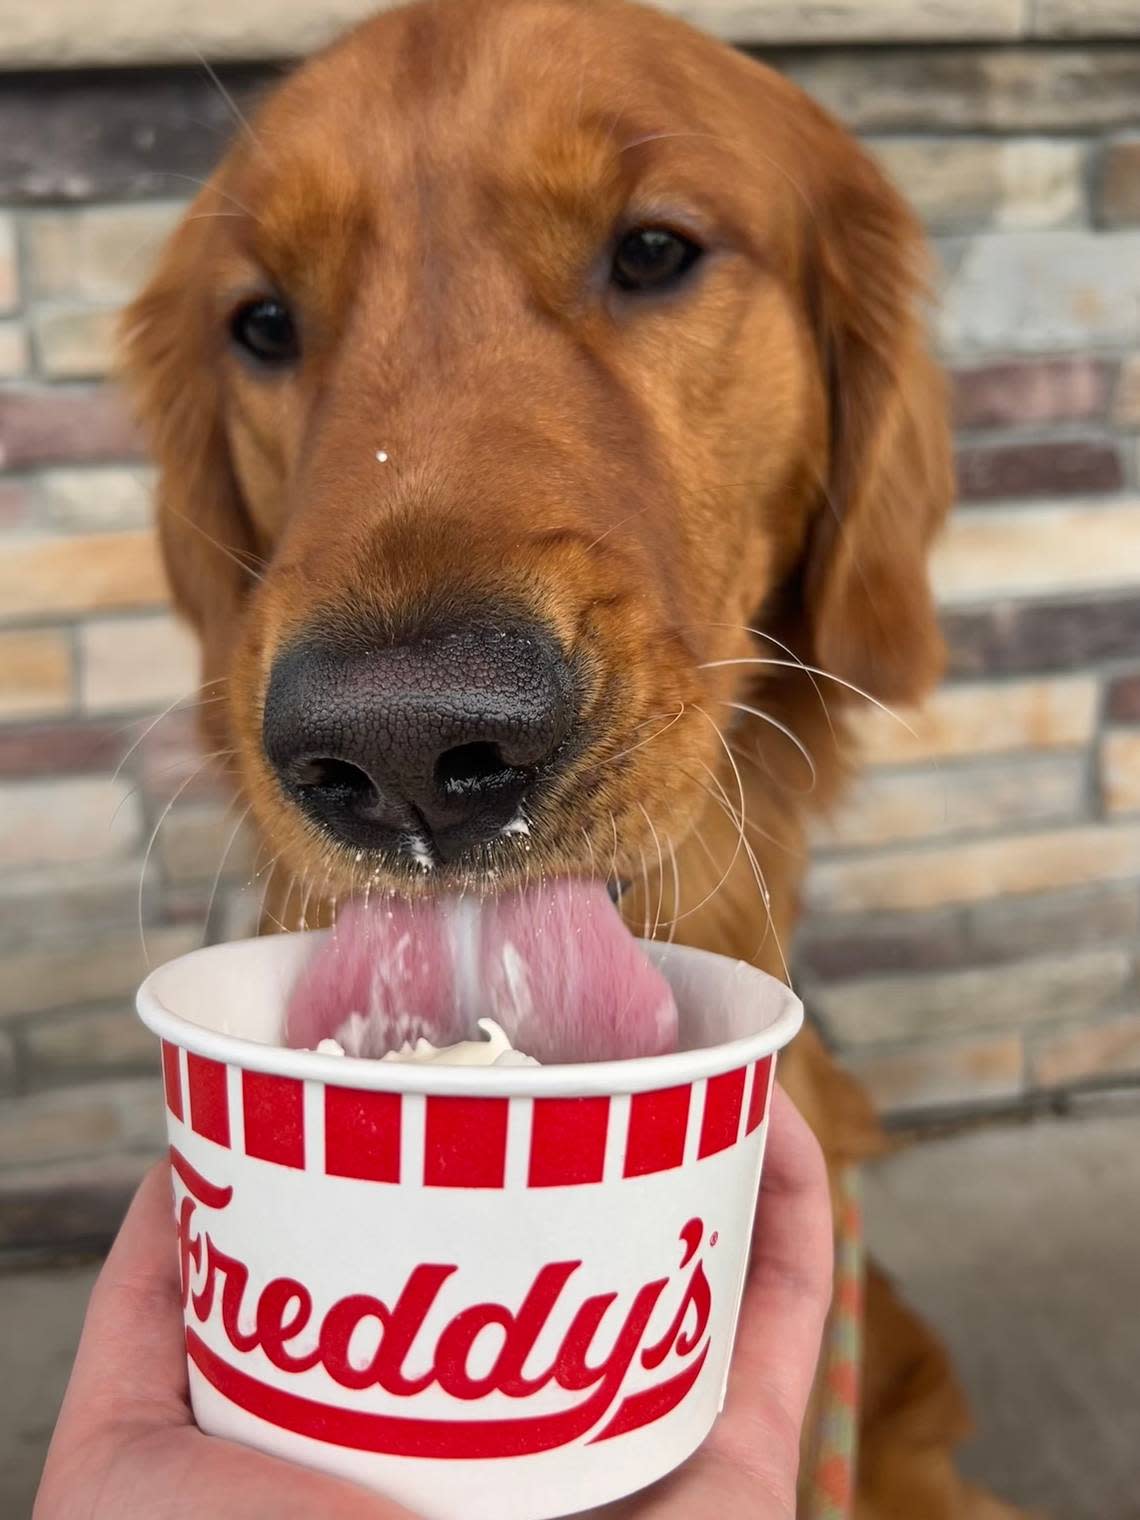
(266, 330)
(650, 258)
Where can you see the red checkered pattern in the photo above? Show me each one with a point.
(465, 1140)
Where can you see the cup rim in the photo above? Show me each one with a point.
(577, 1079)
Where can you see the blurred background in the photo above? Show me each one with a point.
(973, 937)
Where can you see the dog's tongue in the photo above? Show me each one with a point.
(554, 965)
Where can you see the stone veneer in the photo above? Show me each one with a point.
(974, 916)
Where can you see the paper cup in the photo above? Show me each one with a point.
(489, 1293)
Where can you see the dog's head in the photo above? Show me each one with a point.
(520, 357)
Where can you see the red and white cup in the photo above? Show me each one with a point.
(493, 1293)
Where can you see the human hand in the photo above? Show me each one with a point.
(126, 1446)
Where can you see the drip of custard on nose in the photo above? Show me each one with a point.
(554, 966)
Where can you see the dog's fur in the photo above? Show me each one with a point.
(695, 492)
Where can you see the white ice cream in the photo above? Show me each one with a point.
(495, 1050)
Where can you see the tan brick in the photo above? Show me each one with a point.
(35, 674)
(1126, 403)
(75, 342)
(1019, 551)
(982, 718)
(58, 975)
(87, 1040)
(53, 1126)
(9, 278)
(941, 1074)
(1075, 1055)
(99, 253)
(194, 839)
(43, 575)
(13, 350)
(133, 663)
(975, 871)
(85, 501)
(964, 183)
(1120, 770)
(889, 807)
(887, 1009)
(66, 822)
(1118, 200)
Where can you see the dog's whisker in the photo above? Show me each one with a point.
(766, 717)
(221, 867)
(770, 638)
(818, 671)
(660, 871)
(191, 696)
(232, 554)
(162, 817)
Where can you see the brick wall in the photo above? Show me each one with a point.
(975, 913)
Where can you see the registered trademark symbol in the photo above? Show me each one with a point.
(714, 1237)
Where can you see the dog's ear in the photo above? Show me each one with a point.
(170, 347)
(890, 479)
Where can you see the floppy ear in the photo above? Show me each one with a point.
(890, 481)
(170, 351)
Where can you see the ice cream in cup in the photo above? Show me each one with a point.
(493, 1290)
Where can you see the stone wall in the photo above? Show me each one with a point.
(974, 915)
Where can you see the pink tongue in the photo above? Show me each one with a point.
(554, 965)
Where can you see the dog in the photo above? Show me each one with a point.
(544, 419)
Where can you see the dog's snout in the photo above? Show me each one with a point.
(430, 747)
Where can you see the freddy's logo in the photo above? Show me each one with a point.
(591, 1379)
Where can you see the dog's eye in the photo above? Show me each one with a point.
(651, 258)
(266, 330)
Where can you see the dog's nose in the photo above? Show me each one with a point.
(429, 748)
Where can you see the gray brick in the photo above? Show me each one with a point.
(108, 137)
(66, 1205)
(1006, 928)
(1010, 89)
(72, 1122)
(87, 1041)
(50, 906)
(1111, 1049)
(841, 946)
(1050, 990)
(1085, 18)
(1038, 290)
(86, 500)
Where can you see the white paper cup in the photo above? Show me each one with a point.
(497, 1293)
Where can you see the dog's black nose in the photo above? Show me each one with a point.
(430, 747)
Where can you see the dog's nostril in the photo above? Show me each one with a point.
(332, 778)
(468, 767)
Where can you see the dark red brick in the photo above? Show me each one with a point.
(1020, 637)
(1124, 699)
(88, 424)
(1073, 467)
(1033, 391)
(61, 748)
